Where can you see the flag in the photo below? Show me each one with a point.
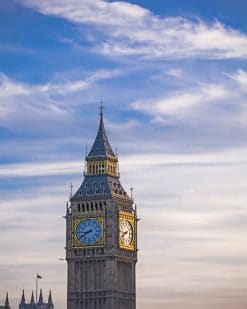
(39, 277)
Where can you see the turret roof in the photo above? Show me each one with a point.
(23, 301)
(32, 299)
(101, 147)
(50, 298)
(40, 297)
(7, 301)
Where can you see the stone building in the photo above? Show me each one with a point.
(32, 304)
(101, 247)
(39, 305)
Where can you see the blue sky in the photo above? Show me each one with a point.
(173, 78)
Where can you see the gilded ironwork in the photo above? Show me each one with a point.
(77, 220)
(127, 230)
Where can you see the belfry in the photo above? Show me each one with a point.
(101, 240)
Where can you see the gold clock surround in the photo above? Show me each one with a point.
(77, 220)
(130, 218)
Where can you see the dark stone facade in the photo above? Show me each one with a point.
(32, 304)
(39, 305)
(101, 275)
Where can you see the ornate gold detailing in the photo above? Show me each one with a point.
(98, 167)
(79, 221)
(127, 230)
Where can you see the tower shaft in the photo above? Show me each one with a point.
(101, 228)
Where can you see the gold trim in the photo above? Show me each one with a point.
(76, 221)
(123, 215)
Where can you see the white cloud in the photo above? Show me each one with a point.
(22, 103)
(138, 160)
(130, 30)
(182, 102)
(175, 72)
(241, 78)
(192, 232)
(40, 169)
(214, 104)
(9, 87)
(96, 12)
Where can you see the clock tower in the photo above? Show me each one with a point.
(101, 225)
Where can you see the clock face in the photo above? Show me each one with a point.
(89, 231)
(126, 232)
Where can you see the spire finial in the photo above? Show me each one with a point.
(71, 190)
(131, 192)
(101, 108)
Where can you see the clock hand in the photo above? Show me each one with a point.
(124, 233)
(87, 232)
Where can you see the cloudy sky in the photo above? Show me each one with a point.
(173, 78)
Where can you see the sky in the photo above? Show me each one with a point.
(173, 78)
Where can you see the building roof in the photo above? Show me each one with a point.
(101, 147)
(103, 186)
(100, 185)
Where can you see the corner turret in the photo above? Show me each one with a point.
(7, 306)
(23, 301)
(32, 299)
(50, 302)
(41, 300)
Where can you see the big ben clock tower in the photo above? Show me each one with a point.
(101, 222)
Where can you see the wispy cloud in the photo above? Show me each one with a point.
(139, 160)
(221, 104)
(9, 87)
(241, 78)
(23, 102)
(12, 48)
(182, 102)
(40, 169)
(195, 214)
(130, 30)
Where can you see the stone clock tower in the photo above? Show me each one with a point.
(101, 221)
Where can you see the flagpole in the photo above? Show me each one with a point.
(37, 288)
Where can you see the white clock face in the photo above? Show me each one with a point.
(126, 232)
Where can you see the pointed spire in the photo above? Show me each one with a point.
(7, 306)
(101, 147)
(50, 299)
(23, 301)
(40, 297)
(32, 299)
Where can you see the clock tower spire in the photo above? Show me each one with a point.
(101, 235)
